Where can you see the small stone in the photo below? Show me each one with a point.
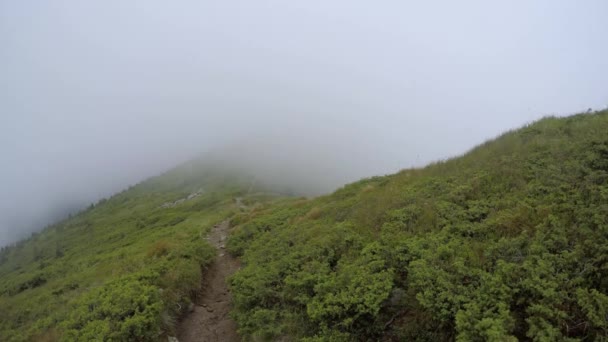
(172, 339)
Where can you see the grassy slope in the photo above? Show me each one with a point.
(120, 270)
(507, 242)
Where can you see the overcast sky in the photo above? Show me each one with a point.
(97, 95)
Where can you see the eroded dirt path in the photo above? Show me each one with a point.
(209, 321)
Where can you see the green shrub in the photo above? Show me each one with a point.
(506, 243)
(122, 310)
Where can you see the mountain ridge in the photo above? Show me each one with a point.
(505, 242)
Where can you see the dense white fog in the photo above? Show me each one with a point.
(95, 96)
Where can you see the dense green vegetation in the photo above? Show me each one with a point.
(508, 242)
(122, 270)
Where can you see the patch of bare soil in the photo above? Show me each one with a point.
(210, 321)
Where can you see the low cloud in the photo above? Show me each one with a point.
(95, 96)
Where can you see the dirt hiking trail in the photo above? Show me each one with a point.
(209, 322)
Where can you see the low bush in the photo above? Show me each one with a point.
(506, 243)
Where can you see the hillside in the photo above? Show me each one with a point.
(508, 242)
(126, 268)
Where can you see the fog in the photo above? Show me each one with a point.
(98, 95)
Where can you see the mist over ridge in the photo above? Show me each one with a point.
(95, 97)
